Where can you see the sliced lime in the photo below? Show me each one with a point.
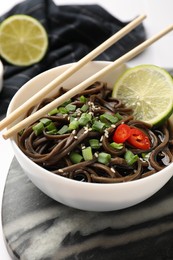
(148, 90)
(23, 40)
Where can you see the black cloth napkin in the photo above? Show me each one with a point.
(73, 31)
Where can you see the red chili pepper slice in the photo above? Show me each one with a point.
(139, 139)
(122, 133)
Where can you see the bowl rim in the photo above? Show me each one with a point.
(71, 181)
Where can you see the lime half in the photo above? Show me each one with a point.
(23, 40)
(148, 90)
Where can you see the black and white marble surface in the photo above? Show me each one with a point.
(38, 228)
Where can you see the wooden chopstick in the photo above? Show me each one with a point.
(53, 84)
(72, 92)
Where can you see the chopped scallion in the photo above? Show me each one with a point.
(52, 132)
(38, 128)
(45, 121)
(63, 130)
(74, 124)
(130, 157)
(145, 156)
(70, 108)
(98, 126)
(62, 110)
(53, 112)
(87, 154)
(104, 158)
(84, 108)
(117, 146)
(74, 114)
(84, 119)
(66, 103)
(110, 118)
(21, 132)
(94, 143)
(83, 99)
(72, 118)
(75, 157)
(51, 127)
(118, 116)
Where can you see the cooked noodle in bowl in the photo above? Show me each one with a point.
(72, 153)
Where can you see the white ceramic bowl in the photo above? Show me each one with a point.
(1, 76)
(85, 196)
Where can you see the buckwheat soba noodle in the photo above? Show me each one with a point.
(94, 138)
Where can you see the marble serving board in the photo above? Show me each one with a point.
(38, 228)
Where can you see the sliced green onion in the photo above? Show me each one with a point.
(53, 112)
(110, 118)
(87, 154)
(21, 132)
(38, 128)
(75, 157)
(74, 124)
(145, 156)
(94, 143)
(66, 103)
(117, 146)
(130, 157)
(45, 121)
(84, 108)
(84, 119)
(70, 107)
(74, 115)
(63, 130)
(83, 99)
(51, 127)
(62, 110)
(104, 158)
(72, 118)
(52, 132)
(118, 116)
(98, 126)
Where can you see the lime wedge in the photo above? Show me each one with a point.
(148, 90)
(23, 40)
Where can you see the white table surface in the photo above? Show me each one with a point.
(159, 15)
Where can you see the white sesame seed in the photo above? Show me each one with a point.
(101, 139)
(96, 155)
(112, 169)
(106, 132)
(74, 132)
(113, 126)
(91, 113)
(86, 131)
(60, 170)
(75, 137)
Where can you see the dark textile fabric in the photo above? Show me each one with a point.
(73, 31)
